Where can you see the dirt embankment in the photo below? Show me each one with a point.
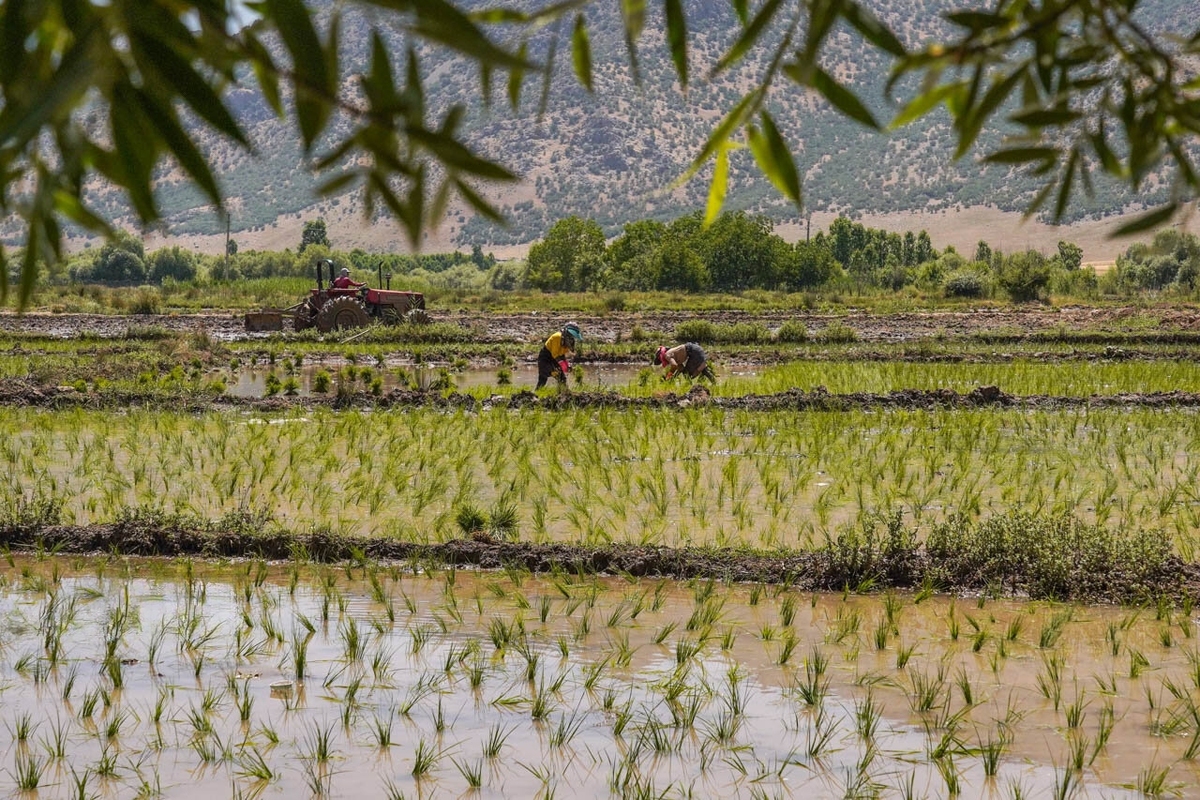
(833, 568)
(21, 394)
(532, 327)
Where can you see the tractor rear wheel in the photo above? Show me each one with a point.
(342, 312)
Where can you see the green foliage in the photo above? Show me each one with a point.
(705, 332)
(1172, 258)
(1023, 275)
(1120, 102)
(121, 259)
(314, 233)
(966, 282)
(174, 263)
(792, 331)
(1070, 255)
(569, 258)
(1051, 557)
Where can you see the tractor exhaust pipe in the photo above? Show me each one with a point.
(319, 286)
(379, 267)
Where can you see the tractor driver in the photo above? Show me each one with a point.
(344, 281)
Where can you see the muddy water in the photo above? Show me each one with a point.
(184, 679)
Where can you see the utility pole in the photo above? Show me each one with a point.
(226, 243)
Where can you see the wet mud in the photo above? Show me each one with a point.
(16, 393)
(833, 568)
(1076, 324)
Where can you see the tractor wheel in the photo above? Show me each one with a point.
(417, 316)
(342, 312)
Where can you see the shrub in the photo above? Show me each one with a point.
(1024, 276)
(792, 331)
(697, 330)
(1052, 557)
(837, 332)
(145, 301)
(964, 283)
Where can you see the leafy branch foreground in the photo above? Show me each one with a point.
(1043, 557)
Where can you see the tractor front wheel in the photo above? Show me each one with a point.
(417, 316)
(342, 312)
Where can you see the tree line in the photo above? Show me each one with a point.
(738, 252)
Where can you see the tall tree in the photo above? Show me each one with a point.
(569, 258)
(314, 233)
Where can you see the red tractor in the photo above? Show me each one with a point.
(330, 308)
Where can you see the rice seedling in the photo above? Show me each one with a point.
(28, 770)
(924, 691)
(813, 686)
(493, 744)
(425, 759)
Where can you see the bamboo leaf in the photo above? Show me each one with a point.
(1147, 221)
(1064, 192)
(188, 83)
(1021, 155)
(733, 120)
(872, 29)
(456, 156)
(775, 158)
(841, 98)
(971, 125)
(677, 38)
(581, 51)
(749, 35)
(633, 18)
(925, 102)
(478, 203)
(1043, 117)
(718, 188)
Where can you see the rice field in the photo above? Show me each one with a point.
(145, 678)
(674, 477)
(124, 677)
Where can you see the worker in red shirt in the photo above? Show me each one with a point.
(344, 281)
(689, 358)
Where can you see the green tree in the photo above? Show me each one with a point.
(173, 262)
(1081, 84)
(569, 258)
(1024, 275)
(983, 252)
(631, 264)
(810, 264)
(1070, 254)
(314, 233)
(121, 259)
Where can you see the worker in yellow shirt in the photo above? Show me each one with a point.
(552, 360)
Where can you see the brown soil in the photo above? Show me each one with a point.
(18, 393)
(998, 324)
(909, 567)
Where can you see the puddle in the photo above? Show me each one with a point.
(144, 675)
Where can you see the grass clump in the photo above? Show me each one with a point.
(792, 331)
(1056, 557)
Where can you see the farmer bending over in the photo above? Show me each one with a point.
(689, 359)
(552, 360)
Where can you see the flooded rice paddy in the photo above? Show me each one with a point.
(139, 677)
